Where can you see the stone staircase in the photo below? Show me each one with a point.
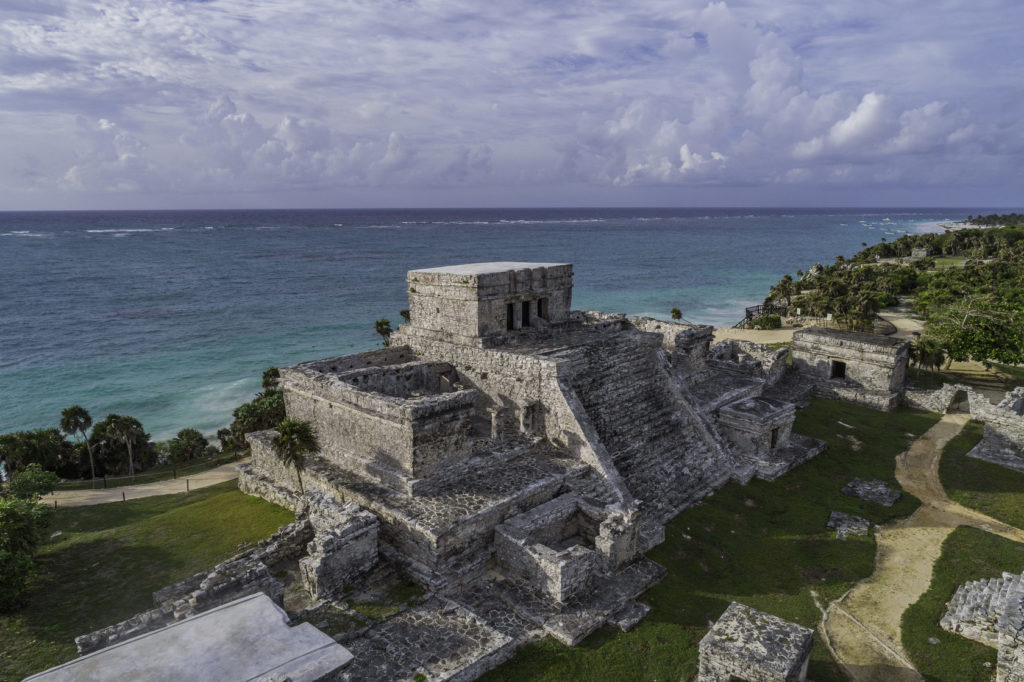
(655, 445)
(981, 609)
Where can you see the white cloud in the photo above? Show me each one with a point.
(231, 96)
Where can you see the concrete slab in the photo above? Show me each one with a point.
(246, 639)
(486, 268)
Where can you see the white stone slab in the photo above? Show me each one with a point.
(487, 268)
(246, 639)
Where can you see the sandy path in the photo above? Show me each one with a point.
(863, 626)
(81, 498)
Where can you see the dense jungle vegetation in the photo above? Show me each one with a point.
(969, 289)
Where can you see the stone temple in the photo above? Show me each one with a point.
(514, 457)
(503, 439)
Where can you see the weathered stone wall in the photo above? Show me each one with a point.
(343, 547)
(687, 345)
(550, 548)
(534, 388)
(934, 400)
(472, 301)
(875, 366)
(406, 380)
(412, 436)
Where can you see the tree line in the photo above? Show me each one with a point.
(118, 445)
(973, 312)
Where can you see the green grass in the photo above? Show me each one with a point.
(947, 262)
(110, 558)
(763, 544)
(991, 489)
(967, 554)
(160, 473)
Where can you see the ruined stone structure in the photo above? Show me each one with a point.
(863, 368)
(516, 459)
(991, 611)
(1003, 440)
(747, 644)
(505, 441)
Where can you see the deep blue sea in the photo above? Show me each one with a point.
(171, 316)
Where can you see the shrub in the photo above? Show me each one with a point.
(32, 483)
(767, 322)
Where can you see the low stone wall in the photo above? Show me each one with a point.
(934, 400)
(344, 546)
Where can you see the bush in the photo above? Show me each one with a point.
(32, 483)
(23, 525)
(15, 570)
(767, 322)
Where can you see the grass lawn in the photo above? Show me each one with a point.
(991, 489)
(110, 558)
(967, 554)
(763, 544)
(947, 262)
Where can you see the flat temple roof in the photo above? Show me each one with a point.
(487, 268)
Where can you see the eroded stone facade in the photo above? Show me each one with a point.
(869, 369)
(506, 441)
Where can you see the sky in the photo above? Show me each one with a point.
(113, 104)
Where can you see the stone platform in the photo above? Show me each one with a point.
(246, 639)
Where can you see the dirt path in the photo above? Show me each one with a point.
(81, 498)
(863, 626)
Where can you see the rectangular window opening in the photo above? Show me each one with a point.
(838, 370)
(526, 313)
(510, 317)
(775, 438)
(542, 308)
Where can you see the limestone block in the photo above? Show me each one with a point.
(747, 644)
(343, 547)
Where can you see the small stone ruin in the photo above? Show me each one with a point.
(875, 491)
(862, 368)
(747, 644)
(991, 611)
(847, 524)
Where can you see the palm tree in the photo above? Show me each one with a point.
(127, 429)
(677, 314)
(293, 441)
(383, 327)
(76, 419)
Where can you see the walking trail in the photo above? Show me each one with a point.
(862, 628)
(81, 498)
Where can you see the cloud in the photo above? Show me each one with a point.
(229, 98)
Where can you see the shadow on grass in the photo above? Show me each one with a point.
(989, 488)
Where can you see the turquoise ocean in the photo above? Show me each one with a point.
(171, 316)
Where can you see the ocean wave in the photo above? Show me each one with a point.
(24, 233)
(131, 230)
(514, 221)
